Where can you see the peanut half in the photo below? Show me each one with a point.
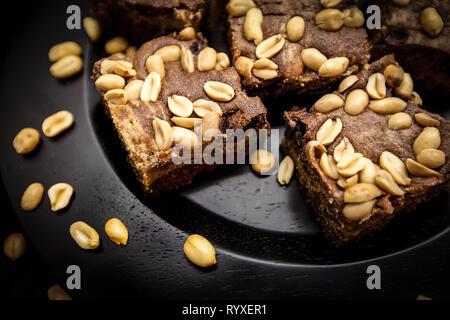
(14, 246)
(26, 141)
(262, 161)
(187, 60)
(187, 123)
(361, 192)
(368, 173)
(180, 106)
(116, 231)
(66, 67)
(108, 82)
(200, 251)
(219, 91)
(431, 21)
(60, 195)
(358, 211)
(151, 88)
(334, 67)
(244, 66)
(356, 102)
(347, 83)
(388, 105)
(419, 170)
(343, 148)
(223, 62)
(295, 28)
(270, 47)
(207, 59)
(155, 63)
(376, 86)
(346, 183)
(253, 25)
(328, 132)
(265, 69)
(185, 138)
(116, 45)
(170, 53)
(426, 120)
(85, 236)
(202, 107)
(238, 8)
(313, 58)
(353, 18)
(351, 164)
(56, 293)
(385, 181)
(329, 166)
(406, 87)
(392, 164)
(64, 49)
(431, 158)
(328, 102)
(32, 197)
(330, 3)
(330, 19)
(285, 171)
(57, 123)
(187, 33)
(163, 134)
(133, 89)
(430, 138)
(116, 96)
(210, 126)
(394, 75)
(92, 28)
(400, 121)
(124, 69)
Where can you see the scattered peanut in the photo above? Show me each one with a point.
(431, 21)
(385, 181)
(14, 246)
(353, 17)
(265, 69)
(262, 161)
(116, 96)
(151, 88)
(406, 87)
(223, 62)
(342, 149)
(64, 49)
(180, 106)
(116, 231)
(388, 105)
(270, 47)
(92, 28)
(330, 19)
(328, 102)
(430, 138)
(185, 138)
(392, 164)
(295, 28)
(219, 91)
(202, 107)
(116, 45)
(285, 171)
(187, 33)
(334, 67)
(108, 82)
(187, 60)
(32, 197)
(60, 195)
(85, 236)
(57, 123)
(66, 67)
(313, 58)
(26, 141)
(399, 121)
(200, 251)
(207, 59)
(329, 166)
(376, 86)
(419, 170)
(163, 134)
(328, 132)
(56, 293)
(394, 75)
(244, 66)
(133, 89)
(347, 83)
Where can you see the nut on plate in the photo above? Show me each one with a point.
(60, 195)
(26, 141)
(84, 235)
(262, 161)
(200, 251)
(32, 197)
(14, 246)
(117, 231)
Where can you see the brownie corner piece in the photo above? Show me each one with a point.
(290, 74)
(125, 87)
(359, 170)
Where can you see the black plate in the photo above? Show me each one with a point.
(268, 243)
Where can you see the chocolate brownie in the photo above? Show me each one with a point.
(134, 120)
(143, 20)
(360, 174)
(426, 56)
(293, 76)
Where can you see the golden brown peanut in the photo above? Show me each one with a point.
(253, 25)
(385, 181)
(376, 86)
(116, 45)
(108, 82)
(328, 102)
(130, 52)
(14, 246)
(369, 172)
(200, 251)
(262, 161)
(270, 47)
(116, 231)
(210, 126)
(406, 87)
(207, 59)
(431, 158)
(180, 106)
(265, 69)
(84, 235)
(329, 166)
(351, 164)
(387, 105)
(330, 3)
(346, 183)
(187, 33)
(392, 164)
(415, 97)
(356, 102)
(347, 83)
(244, 66)
(330, 19)
(155, 63)
(64, 49)
(361, 192)
(107, 66)
(285, 171)
(419, 170)
(400, 121)
(219, 91)
(169, 53)
(59, 196)
(314, 148)
(420, 296)
(26, 141)
(238, 8)
(358, 211)
(334, 67)
(56, 293)
(187, 123)
(353, 18)
(116, 96)
(431, 21)
(185, 138)
(430, 138)
(295, 28)
(202, 107)
(187, 60)
(151, 88)
(223, 62)
(163, 134)
(57, 123)
(66, 67)
(32, 197)
(401, 2)
(426, 120)
(328, 132)
(92, 28)
(133, 89)
(313, 58)
(394, 75)
(342, 149)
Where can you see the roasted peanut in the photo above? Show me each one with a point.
(185, 138)
(64, 49)
(328, 102)
(108, 82)
(253, 25)
(133, 89)
(431, 21)
(26, 141)
(187, 60)
(285, 171)
(223, 62)
(56, 293)
(394, 75)
(351, 164)
(238, 8)
(66, 67)
(329, 166)
(200, 251)
(202, 107)
(270, 47)
(169, 53)
(219, 91)
(32, 197)
(419, 170)
(180, 106)
(262, 161)
(85, 236)
(116, 231)
(361, 192)
(353, 17)
(187, 33)
(187, 123)
(392, 164)
(60, 195)
(313, 58)
(376, 86)
(130, 52)
(313, 149)
(356, 102)
(163, 134)
(328, 132)
(210, 126)
(92, 28)
(399, 121)
(346, 183)
(207, 59)
(334, 67)
(295, 28)
(107, 66)
(115, 45)
(426, 120)
(369, 172)
(430, 138)
(387, 105)
(406, 87)
(265, 69)
(244, 66)
(155, 63)
(415, 97)
(151, 88)
(116, 96)
(14, 246)
(385, 181)
(343, 148)
(330, 19)
(57, 123)
(431, 158)
(347, 83)
(330, 3)
(358, 211)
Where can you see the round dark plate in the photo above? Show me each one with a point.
(268, 243)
